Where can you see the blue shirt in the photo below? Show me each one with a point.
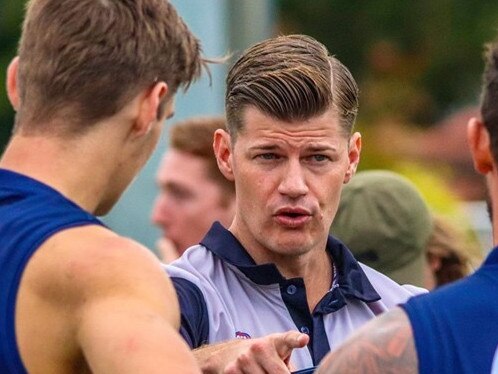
(223, 295)
(456, 327)
(30, 213)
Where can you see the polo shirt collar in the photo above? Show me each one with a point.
(351, 279)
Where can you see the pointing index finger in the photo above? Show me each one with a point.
(286, 342)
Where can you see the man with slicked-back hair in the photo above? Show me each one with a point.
(275, 281)
(92, 86)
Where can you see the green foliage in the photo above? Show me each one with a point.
(11, 13)
(415, 60)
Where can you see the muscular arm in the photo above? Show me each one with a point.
(269, 354)
(384, 345)
(129, 319)
(111, 308)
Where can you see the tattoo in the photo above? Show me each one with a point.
(383, 345)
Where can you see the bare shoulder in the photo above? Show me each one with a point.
(91, 261)
(383, 345)
(98, 292)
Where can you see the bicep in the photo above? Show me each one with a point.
(384, 345)
(127, 316)
(119, 335)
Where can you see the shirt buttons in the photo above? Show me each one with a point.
(305, 330)
(291, 290)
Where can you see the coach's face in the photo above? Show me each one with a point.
(288, 179)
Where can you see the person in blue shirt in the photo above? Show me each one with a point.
(453, 329)
(92, 86)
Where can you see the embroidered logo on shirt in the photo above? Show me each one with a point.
(242, 335)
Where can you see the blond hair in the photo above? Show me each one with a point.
(83, 60)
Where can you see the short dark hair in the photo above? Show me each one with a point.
(489, 96)
(195, 136)
(290, 78)
(84, 60)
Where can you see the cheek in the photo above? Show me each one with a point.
(208, 217)
(328, 190)
(195, 209)
(207, 206)
(253, 194)
(181, 212)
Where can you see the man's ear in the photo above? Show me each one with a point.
(480, 146)
(151, 103)
(223, 151)
(12, 90)
(354, 150)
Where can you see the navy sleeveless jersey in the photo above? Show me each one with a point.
(456, 327)
(30, 212)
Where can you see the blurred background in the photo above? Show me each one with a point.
(418, 65)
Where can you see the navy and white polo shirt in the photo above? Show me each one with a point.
(224, 295)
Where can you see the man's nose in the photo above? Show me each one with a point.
(293, 182)
(160, 212)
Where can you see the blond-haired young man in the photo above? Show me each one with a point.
(92, 86)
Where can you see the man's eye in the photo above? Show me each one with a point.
(178, 194)
(268, 156)
(319, 158)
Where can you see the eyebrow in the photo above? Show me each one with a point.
(309, 148)
(175, 187)
(264, 147)
(321, 148)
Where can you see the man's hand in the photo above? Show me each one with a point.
(269, 354)
(167, 251)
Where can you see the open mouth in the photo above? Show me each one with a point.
(292, 215)
(292, 218)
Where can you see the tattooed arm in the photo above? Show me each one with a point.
(383, 345)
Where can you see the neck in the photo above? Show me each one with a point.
(316, 270)
(65, 165)
(313, 266)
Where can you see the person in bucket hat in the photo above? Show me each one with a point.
(386, 223)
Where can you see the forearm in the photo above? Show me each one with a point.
(268, 354)
(384, 345)
(213, 358)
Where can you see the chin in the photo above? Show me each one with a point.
(290, 248)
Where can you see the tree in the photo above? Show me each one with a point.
(11, 13)
(418, 60)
